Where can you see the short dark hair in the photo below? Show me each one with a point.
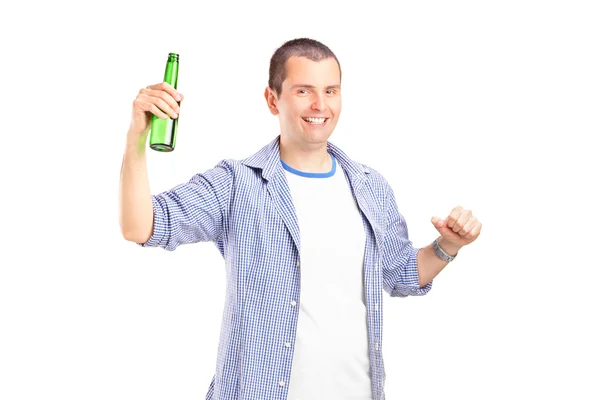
(301, 47)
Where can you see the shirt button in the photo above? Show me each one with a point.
(376, 306)
(288, 344)
(293, 303)
(281, 383)
(376, 345)
(298, 263)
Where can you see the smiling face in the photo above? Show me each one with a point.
(310, 102)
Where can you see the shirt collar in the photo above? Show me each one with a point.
(268, 160)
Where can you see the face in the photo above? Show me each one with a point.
(310, 102)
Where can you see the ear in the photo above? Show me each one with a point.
(271, 101)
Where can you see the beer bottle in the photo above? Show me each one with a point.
(163, 132)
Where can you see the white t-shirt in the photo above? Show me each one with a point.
(331, 359)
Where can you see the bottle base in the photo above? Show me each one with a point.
(161, 147)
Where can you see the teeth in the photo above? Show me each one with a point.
(315, 120)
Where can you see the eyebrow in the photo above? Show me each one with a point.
(314, 87)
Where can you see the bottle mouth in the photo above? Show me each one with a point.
(174, 57)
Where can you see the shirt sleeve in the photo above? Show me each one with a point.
(192, 212)
(399, 258)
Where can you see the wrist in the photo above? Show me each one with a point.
(447, 247)
(136, 143)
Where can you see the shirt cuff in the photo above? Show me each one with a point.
(410, 287)
(159, 231)
(414, 271)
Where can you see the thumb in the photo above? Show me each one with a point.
(437, 222)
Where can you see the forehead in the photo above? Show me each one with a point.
(301, 70)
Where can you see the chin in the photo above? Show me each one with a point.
(317, 138)
(308, 136)
(317, 135)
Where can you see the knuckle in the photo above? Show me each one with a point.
(157, 110)
(160, 109)
(164, 96)
(163, 104)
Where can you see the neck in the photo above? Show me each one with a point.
(310, 157)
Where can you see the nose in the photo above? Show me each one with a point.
(318, 102)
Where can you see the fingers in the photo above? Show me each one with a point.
(166, 87)
(453, 217)
(474, 232)
(160, 99)
(142, 104)
(461, 221)
(464, 223)
(468, 226)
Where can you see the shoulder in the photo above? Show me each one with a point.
(374, 177)
(358, 169)
(235, 171)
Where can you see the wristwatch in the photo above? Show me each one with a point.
(441, 253)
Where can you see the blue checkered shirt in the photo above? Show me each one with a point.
(245, 208)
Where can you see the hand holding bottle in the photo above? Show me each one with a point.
(136, 212)
(160, 99)
(155, 110)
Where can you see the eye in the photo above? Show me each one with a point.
(331, 91)
(302, 91)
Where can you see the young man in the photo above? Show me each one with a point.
(309, 238)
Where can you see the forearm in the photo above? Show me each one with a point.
(429, 264)
(135, 203)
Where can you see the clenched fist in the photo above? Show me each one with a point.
(161, 99)
(458, 229)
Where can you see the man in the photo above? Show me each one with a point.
(309, 238)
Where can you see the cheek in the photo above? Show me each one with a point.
(288, 110)
(290, 114)
(295, 112)
(337, 105)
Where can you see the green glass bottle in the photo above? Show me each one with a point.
(163, 132)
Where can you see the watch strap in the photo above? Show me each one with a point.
(441, 253)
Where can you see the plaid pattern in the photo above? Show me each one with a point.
(245, 208)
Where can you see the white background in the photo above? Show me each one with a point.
(488, 105)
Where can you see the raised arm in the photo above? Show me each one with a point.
(135, 210)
